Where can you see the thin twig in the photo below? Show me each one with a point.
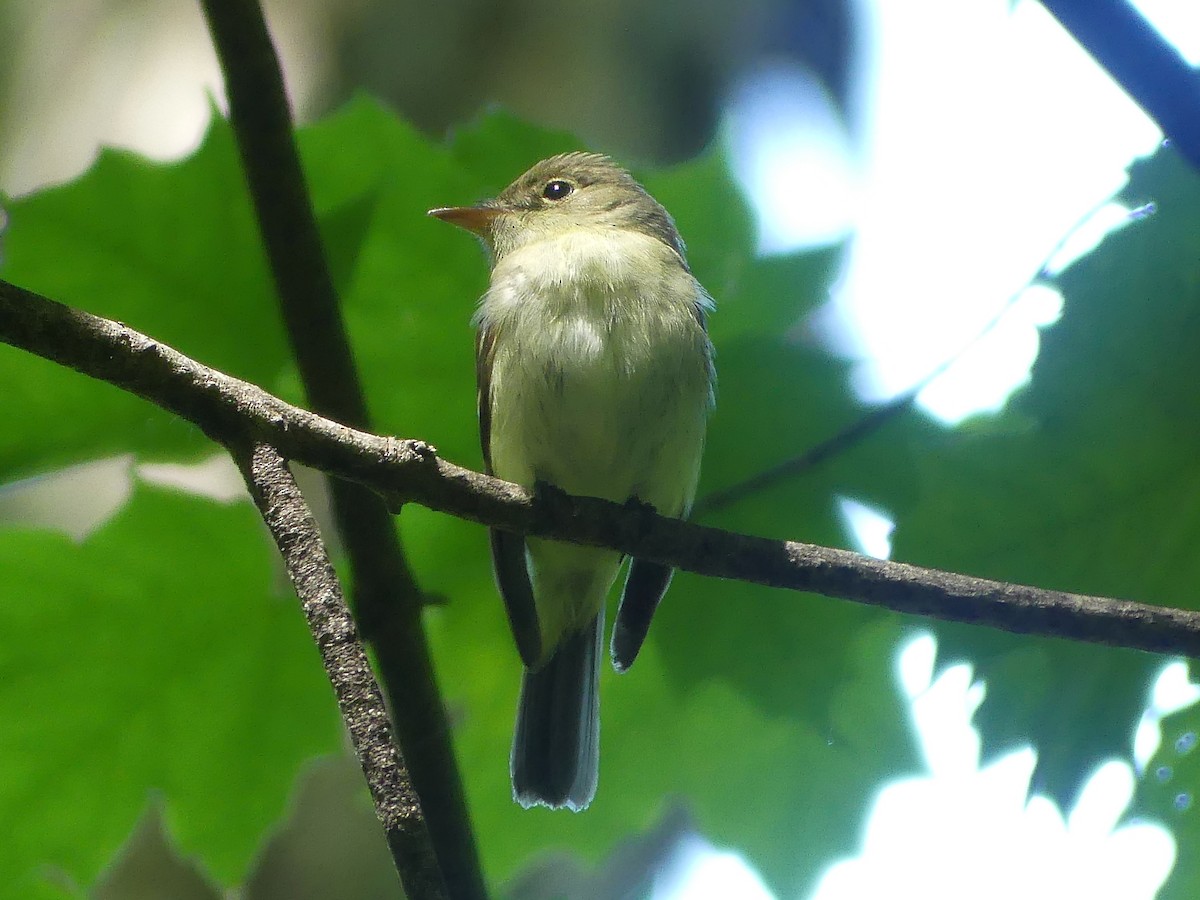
(848, 437)
(295, 532)
(1149, 69)
(866, 425)
(387, 600)
(230, 411)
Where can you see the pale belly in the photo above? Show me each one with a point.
(597, 409)
(599, 389)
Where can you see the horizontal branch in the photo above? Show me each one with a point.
(408, 470)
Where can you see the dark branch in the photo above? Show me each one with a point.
(850, 436)
(294, 530)
(386, 597)
(262, 125)
(230, 410)
(1149, 69)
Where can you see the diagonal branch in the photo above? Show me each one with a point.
(294, 530)
(1137, 57)
(386, 597)
(839, 442)
(230, 410)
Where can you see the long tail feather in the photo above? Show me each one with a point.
(556, 748)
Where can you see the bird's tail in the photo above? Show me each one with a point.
(556, 747)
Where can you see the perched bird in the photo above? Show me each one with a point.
(595, 376)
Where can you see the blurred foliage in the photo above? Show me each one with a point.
(156, 659)
(115, 239)
(152, 659)
(149, 867)
(1169, 792)
(645, 79)
(409, 286)
(1087, 482)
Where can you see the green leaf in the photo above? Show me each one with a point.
(757, 707)
(1167, 793)
(171, 250)
(158, 657)
(1089, 482)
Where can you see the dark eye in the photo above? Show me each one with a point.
(556, 190)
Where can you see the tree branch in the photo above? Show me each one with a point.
(386, 597)
(840, 442)
(294, 530)
(230, 410)
(1149, 69)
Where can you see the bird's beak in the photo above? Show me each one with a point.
(477, 219)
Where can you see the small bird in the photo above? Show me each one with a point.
(595, 375)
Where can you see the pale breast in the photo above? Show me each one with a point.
(601, 375)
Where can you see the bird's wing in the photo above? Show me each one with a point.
(485, 354)
(508, 549)
(647, 582)
(644, 588)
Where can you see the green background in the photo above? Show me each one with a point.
(161, 664)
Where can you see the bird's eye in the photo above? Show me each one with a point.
(557, 189)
